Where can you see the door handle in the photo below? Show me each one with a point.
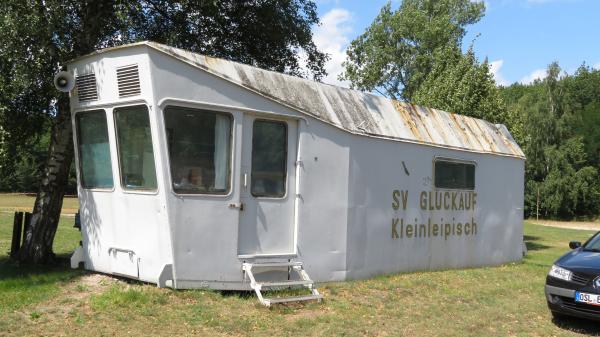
(240, 206)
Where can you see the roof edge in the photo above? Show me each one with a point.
(158, 47)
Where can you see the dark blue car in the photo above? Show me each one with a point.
(573, 283)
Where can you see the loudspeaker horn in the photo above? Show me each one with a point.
(64, 81)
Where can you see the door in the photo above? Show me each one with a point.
(268, 187)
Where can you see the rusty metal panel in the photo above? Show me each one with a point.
(359, 112)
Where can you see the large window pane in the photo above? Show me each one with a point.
(199, 149)
(454, 175)
(269, 159)
(134, 140)
(94, 151)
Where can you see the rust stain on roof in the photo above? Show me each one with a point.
(407, 119)
(356, 111)
(439, 127)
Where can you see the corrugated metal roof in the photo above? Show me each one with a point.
(360, 112)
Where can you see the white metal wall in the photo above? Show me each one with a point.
(125, 220)
(345, 193)
(204, 228)
(377, 170)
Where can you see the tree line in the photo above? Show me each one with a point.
(556, 121)
(413, 52)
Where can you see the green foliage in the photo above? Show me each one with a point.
(38, 37)
(553, 121)
(414, 53)
(26, 168)
(584, 88)
(458, 83)
(397, 52)
(570, 188)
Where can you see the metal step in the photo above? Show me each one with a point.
(294, 299)
(285, 283)
(293, 267)
(273, 264)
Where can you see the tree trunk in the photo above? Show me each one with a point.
(37, 246)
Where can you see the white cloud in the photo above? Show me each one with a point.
(332, 37)
(495, 67)
(538, 74)
(596, 66)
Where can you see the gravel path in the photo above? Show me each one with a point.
(587, 225)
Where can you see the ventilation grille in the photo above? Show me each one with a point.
(579, 278)
(86, 87)
(128, 80)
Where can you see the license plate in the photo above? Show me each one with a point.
(593, 299)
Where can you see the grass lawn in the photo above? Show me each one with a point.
(10, 202)
(20, 287)
(499, 301)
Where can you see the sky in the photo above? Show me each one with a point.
(519, 37)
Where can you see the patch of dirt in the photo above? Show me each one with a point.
(57, 313)
(70, 313)
(90, 284)
(76, 292)
(586, 225)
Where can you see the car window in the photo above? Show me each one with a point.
(593, 243)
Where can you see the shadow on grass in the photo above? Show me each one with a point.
(21, 286)
(577, 325)
(236, 293)
(60, 271)
(532, 243)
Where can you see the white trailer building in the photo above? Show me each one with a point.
(200, 172)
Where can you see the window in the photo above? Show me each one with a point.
(200, 150)
(134, 142)
(94, 152)
(454, 175)
(269, 159)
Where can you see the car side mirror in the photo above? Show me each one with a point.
(574, 244)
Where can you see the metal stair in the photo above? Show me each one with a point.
(252, 268)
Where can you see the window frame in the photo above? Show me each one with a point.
(76, 115)
(118, 151)
(455, 161)
(231, 117)
(285, 185)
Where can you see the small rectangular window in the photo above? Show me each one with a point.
(454, 175)
(199, 149)
(94, 152)
(134, 142)
(269, 159)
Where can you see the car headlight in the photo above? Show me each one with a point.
(560, 273)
